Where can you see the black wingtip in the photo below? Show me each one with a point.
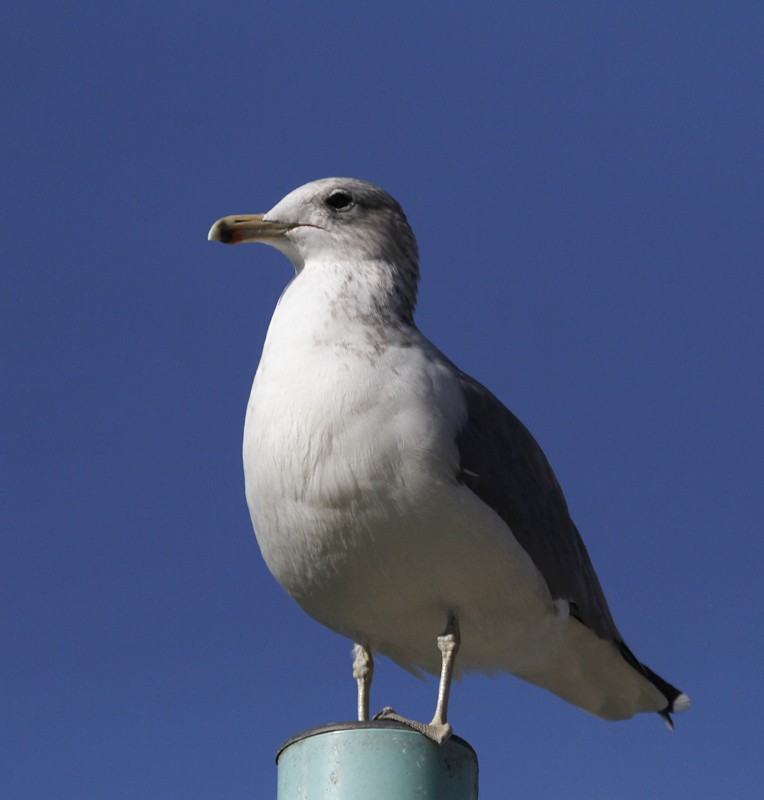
(677, 700)
(680, 703)
(666, 714)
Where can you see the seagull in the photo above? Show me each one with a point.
(396, 499)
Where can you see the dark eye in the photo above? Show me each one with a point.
(339, 200)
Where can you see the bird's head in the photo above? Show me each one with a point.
(340, 215)
(330, 220)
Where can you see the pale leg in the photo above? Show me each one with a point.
(439, 729)
(363, 670)
(448, 644)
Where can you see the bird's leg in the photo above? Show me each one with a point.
(438, 730)
(448, 644)
(363, 670)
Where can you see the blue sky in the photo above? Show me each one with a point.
(586, 181)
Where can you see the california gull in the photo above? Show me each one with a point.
(394, 497)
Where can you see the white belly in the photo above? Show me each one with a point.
(360, 517)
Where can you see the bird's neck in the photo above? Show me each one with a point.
(365, 291)
(357, 313)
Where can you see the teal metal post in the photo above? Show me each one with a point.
(377, 760)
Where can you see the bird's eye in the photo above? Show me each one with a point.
(339, 201)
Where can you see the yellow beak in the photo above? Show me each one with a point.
(247, 228)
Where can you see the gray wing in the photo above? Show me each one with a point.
(505, 467)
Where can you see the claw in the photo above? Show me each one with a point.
(437, 732)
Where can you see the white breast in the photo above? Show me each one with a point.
(348, 449)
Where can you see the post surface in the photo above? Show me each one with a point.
(377, 760)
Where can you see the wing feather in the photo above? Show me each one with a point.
(503, 464)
